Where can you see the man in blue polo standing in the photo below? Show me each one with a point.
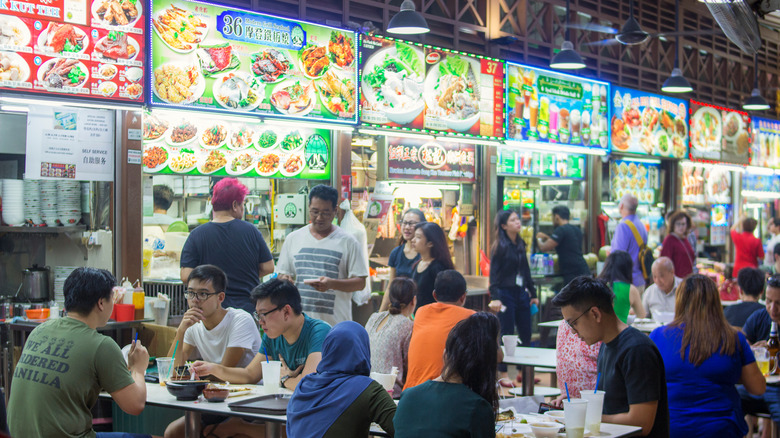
(625, 240)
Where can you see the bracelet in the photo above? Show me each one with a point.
(283, 379)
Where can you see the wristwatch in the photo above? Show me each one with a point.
(283, 379)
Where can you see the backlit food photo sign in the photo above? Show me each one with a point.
(424, 159)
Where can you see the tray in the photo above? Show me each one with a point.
(272, 404)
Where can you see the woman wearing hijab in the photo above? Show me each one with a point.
(340, 400)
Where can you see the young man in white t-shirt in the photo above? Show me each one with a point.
(208, 330)
(325, 262)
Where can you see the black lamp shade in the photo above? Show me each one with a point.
(567, 58)
(408, 21)
(677, 83)
(755, 102)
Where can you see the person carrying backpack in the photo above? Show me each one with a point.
(631, 237)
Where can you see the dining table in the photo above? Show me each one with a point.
(528, 358)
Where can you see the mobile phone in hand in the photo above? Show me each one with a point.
(544, 407)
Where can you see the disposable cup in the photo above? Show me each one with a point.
(510, 343)
(163, 369)
(574, 416)
(595, 405)
(271, 376)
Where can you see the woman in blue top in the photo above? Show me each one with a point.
(404, 256)
(704, 358)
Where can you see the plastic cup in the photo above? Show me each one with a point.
(574, 417)
(595, 405)
(164, 369)
(271, 376)
(510, 343)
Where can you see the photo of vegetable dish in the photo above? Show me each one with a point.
(182, 133)
(214, 136)
(242, 137)
(393, 82)
(337, 94)
(215, 160)
(314, 61)
(241, 163)
(154, 128)
(271, 65)
(267, 139)
(268, 164)
(179, 28)
(154, 157)
(340, 49)
(178, 84)
(292, 141)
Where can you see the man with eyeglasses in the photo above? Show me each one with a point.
(631, 368)
(326, 263)
(212, 332)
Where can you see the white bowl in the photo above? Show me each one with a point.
(555, 416)
(545, 429)
(663, 317)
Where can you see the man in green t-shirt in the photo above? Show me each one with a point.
(66, 363)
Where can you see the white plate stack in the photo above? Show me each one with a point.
(60, 275)
(69, 202)
(85, 194)
(49, 202)
(32, 200)
(13, 202)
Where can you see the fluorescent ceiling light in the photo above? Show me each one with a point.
(643, 160)
(556, 182)
(721, 166)
(468, 140)
(555, 148)
(760, 170)
(14, 108)
(760, 195)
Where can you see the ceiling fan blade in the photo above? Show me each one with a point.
(593, 27)
(689, 33)
(603, 43)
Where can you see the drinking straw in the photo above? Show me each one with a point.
(266, 355)
(566, 385)
(136, 337)
(598, 378)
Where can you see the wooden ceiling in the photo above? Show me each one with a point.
(719, 71)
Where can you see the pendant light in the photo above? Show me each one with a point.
(677, 82)
(755, 102)
(567, 58)
(408, 21)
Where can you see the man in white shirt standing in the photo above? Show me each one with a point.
(209, 331)
(325, 262)
(660, 296)
(774, 232)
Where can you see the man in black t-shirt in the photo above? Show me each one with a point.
(631, 368)
(751, 287)
(566, 239)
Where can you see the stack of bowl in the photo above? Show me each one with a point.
(69, 202)
(32, 200)
(13, 202)
(49, 202)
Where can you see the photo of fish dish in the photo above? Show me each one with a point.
(117, 45)
(271, 65)
(392, 82)
(237, 90)
(293, 98)
(62, 72)
(62, 39)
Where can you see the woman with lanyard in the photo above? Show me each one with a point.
(404, 256)
(676, 245)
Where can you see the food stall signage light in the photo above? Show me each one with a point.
(14, 108)
(760, 170)
(644, 160)
(417, 185)
(468, 141)
(397, 134)
(709, 165)
(73, 103)
(760, 195)
(556, 182)
(556, 148)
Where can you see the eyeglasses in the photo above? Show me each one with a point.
(325, 214)
(774, 281)
(408, 224)
(260, 317)
(192, 294)
(573, 322)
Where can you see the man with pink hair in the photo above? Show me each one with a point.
(230, 243)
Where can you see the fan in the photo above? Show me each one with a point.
(738, 22)
(632, 33)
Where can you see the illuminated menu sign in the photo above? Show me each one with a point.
(550, 107)
(85, 48)
(638, 178)
(430, 160)
(765, 150)
(520, 162)
(719, 134)
(648, 124)
(408, 85)
(223, 59)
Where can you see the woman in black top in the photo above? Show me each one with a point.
(510, 279)
(403, 257)
(429, 241)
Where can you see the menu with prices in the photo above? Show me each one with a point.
(551, 107)
(191, 144)
(230, 60)
(719, 134)
(638, 178)
(430, 160)
(648, 124)
(513, 162)
(461, 93)
(765, 149)
(88, 48)
(70, 143)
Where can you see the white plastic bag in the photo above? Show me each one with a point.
(352, 225)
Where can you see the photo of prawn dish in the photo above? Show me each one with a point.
(271, 65)
(238, 90)
(216, 59)
(453, 92)
(293, 97)
(182, 134)
(292, 165)
(214, 136)
(212, 162)
(392, 83)
(14, 32)
(63, 72)
(184, 162)
(154, 158)
(268, 164)
(174, 83)
(337, 94)
(649, 118)
(13, 68)
(241, 137)
(340, 49)
(63, 39)
(240, 163)
(117, 46)
(153, 127)
(116, 12)
(180, 29)
(633, 119)
(621, 134)
(706, 130)
(314, 61)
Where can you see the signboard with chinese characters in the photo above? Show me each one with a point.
(194, 144)
(409, 85)
(765, 150)
(719, 134)
(231, 60)
(70, 143)
(761, 183)
(648, 124)
(84, 48)
(518, 162)
(551, 107)
(430, 160)
(638, 178)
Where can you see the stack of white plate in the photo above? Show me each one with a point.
(49, 202)
(60, 275)
(69, 202)
(13, 202)
(32, 200)
(85, 194)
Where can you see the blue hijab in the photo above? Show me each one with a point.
(342, 375)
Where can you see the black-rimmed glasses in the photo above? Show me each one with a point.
(573, 322)
(260, 317)
(192, 294)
